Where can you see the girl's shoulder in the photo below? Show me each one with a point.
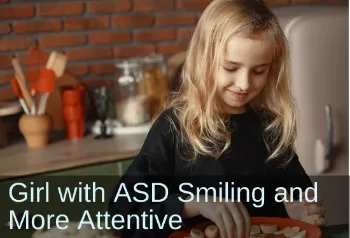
(166, 118)
(166, 123)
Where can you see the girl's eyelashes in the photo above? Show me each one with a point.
(259, 72)
(230, 69)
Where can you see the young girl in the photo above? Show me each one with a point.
(232, 120)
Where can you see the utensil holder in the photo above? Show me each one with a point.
(36, 130)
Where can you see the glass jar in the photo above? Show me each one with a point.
(142, 87)
(131, 100)
(154, 75)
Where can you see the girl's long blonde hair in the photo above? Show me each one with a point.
(202, 123)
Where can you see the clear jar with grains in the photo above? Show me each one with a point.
(154, 75)
(131, 99)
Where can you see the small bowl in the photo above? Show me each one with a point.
(311, 230)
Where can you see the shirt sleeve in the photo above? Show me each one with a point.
(154, 164)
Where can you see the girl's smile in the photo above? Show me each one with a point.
(244, 71)
(238, 95)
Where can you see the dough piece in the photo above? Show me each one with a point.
(281, 232)
(268, 229)
(295, 228)
(254, 230)
(301, 234)
(291, 231)
(196, 233)
(211, 231)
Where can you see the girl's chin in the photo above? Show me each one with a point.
(235, 108)
(236, 103)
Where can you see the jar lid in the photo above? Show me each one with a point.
(127, 64)
(153, 58)
(137, 60)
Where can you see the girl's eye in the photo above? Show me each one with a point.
(230, 69)
(259, 72)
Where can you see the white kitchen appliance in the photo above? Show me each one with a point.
(319, 47)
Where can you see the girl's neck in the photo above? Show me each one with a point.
(235, 111)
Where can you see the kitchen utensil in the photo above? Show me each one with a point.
(32, 90)
(24, 90)
(34, 57)
(21, 79)
(45, 86)
(18, 93)
(55, 64)
(37, 60)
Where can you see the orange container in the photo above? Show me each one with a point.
(72, 95)
(74, 130)
(311, 230)
(72, 113)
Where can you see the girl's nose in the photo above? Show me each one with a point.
(242, 81)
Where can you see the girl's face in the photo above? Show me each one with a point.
(243, 72)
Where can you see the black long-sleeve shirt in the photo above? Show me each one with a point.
(243, 164)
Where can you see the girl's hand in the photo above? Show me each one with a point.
(309, 212)
(231, 218)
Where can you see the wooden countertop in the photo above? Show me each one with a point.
(18, 160)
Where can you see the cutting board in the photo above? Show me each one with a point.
(54, 104)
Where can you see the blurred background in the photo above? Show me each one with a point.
(98, 71)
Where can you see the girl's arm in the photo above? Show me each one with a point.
(310, 210)
(154, 163)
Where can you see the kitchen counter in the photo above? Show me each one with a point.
(335, 231)
(17, 160)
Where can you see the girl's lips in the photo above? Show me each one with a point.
(239, 96)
